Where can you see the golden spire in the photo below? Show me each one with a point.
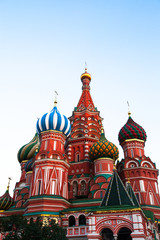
(55, 101)
(9, 179)
(129, 113)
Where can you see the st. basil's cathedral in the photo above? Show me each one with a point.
(70, 172)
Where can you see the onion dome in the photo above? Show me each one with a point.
(27, 151)
(28, 165)
(85, 75)
(6, 201)
(54, 120)
(103, 149)
(131, 130)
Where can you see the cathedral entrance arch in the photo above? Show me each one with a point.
(107, 234)
(124, 234)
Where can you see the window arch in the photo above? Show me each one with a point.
(42, 156)
(151, 198)
(75, 188)
(83, 187)
(82, 220)
(72, 221)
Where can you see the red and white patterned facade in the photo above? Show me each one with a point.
(65, 184)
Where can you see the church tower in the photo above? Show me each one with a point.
(137, 167)
(49, 186)
(85, 130)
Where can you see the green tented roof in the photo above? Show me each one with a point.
(116, 193)
(132, 195)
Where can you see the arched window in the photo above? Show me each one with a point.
(124, 233)
(83, 187)
(75, 188)
(72, 221)
(43, 156)
(77, 157)
(151, 198)
(82, 220)
(107, 233)
(39, 187)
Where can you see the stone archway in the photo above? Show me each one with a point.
(124, 234)
(107, 234)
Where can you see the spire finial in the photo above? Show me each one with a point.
(55, 101)
(9, 179)
(129, 113)
(85, 67)
(114, 166)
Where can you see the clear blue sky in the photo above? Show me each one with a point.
(43, 47)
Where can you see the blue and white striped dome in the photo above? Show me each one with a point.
(54, 121)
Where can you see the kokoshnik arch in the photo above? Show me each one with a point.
(70, 172)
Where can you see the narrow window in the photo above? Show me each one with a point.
(132, 155)
(78, 157)
(83, 187)
(39, 187)
(75, 189)
(109, 167)
(54, 147)
(151, 198)
(53, 187)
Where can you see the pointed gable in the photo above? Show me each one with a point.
(116, 193)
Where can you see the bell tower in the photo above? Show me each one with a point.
(85, 130)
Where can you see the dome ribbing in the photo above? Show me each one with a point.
(103, 149)
(131, 130)
(54, 121)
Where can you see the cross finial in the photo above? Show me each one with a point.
(55, 101)
(129, 113)
(9, 179)
(85, 66)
